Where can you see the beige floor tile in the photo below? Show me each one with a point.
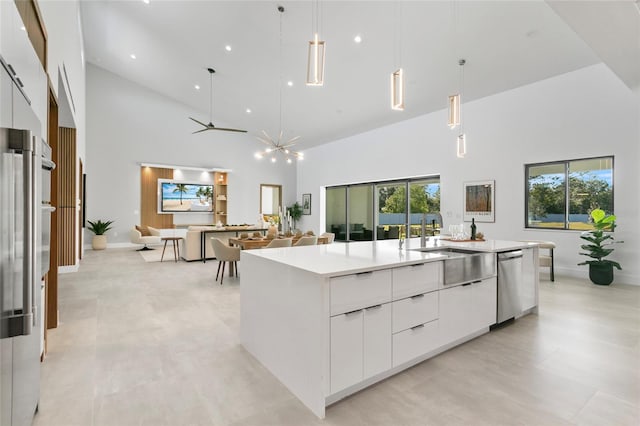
(157, 344)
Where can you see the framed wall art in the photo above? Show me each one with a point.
(306, 203)
(479, 201)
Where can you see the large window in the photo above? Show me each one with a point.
(382, 210)
(562, 194)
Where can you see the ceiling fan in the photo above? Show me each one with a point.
(210, 126)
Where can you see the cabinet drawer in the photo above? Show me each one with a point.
(359, 291)
(416, 279)
(415, 310)
(414, 342)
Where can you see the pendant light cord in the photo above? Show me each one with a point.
(280, 72)
(210, 97)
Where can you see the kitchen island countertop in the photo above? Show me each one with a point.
(349, 258)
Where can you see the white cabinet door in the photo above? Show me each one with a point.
(454, 313)
(416, 279)
(528, 294)
(346, 350)
(377, 339)
(484, 299)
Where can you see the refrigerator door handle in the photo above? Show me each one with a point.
(28, 293)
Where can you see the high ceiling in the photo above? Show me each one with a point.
(506, 44)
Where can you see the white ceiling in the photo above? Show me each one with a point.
(506, 44)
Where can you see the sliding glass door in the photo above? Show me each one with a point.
(391, 209)
(383, 210)
(336, 212)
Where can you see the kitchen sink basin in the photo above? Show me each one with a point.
(463, 266)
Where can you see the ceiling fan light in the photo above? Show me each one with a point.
(258, 155)
(315, 62)
(273, 159)
(288, 160)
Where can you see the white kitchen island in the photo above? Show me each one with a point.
(330, 320)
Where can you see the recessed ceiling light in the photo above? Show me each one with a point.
(357, 39)
(23, 28)
(248, 110)
(289, 83)
(132, 56)
(146, 1)
(227, 48)
(197, 86)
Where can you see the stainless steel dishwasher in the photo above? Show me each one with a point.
(509, 285)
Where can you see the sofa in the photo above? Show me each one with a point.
(190, 244)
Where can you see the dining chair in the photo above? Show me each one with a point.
(306, 241)
(279, 242)
(224, 254)
(330, 236)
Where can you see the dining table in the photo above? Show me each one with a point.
(255, 243)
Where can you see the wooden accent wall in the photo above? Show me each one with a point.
(149, 197)
(32, 19)
(67, 196)
(51, 287)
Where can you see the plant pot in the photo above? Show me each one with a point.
(601, 274)
(99, 242)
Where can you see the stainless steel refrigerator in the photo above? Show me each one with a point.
(21, 227)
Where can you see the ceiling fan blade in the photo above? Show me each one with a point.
(201, 130)
(199, 122)
(229, 130)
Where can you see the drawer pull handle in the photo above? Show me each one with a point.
(417, 264)
(466, 284)
(417, 327)
(374, 307)
(364, 273)
(417, 296)
(352, 312)
(476, 282)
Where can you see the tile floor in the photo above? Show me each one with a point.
(148, 343)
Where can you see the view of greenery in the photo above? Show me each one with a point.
(393, 199)
(587, 189)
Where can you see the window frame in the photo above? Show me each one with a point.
(567, 206)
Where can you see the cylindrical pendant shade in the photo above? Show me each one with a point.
(454, 111)
(397, 90)
(315, 63)
(462, 146)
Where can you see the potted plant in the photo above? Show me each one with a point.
(295, 211)
(600, 269)
(99, 228)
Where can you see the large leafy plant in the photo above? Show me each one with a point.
(296, 212)
(99, 227)
(600, 239)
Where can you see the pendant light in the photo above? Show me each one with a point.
(278, 146)
(461, 141)
(315, 60)
(397, 77)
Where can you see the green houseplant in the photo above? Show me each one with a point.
(296, 213)
(99, 228)
(600, 269)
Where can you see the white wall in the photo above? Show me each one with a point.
(580, 114)
(128, 124)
